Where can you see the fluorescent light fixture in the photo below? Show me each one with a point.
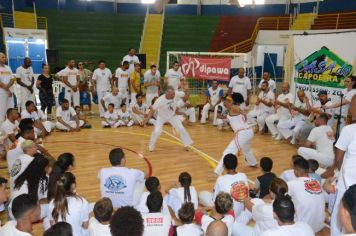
(251, 2)
(148, 1)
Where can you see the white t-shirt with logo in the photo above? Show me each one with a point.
(118, 184)
(156, 224)
(271, 84)
(122, 78)
(71, 74)
(66, 115)
(299, 228)
(78, 213)
(9, 229)
(25, 75)
(7, 127)
(149, 78)
(227, 219)
(111, 116)
(27, 115)
(18, 167)
(215, 95)
(236, 185)
(282, 111)
(102, 79)
(323, 137)
(174, 78)
(309, 201)
(240, 85)
(165, 108)
(143, 108)
(98, 229)
(189, 229)
(176, 198)
(5, 76)
(132, 60)
(116, 100)
(125, 116)
(269, 96)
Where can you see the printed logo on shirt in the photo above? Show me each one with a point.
(330, 135)
(239, 191)
(5, 73)
(312, 186)
(16, 167)
(115, 183)
(154, 221)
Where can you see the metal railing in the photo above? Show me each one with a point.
(335, 21)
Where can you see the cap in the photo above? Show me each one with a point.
(323, 92)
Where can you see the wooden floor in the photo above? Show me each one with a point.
(92, 146)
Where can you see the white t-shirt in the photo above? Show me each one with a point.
(78, 213)
(269, 96)
(142, 207)
(7, 127)
(240, 85)
(309, 201)
(122, 78)
(125, 116)
(165, 108)
(156, 224)
(132, 60)
(271, 84)
(111, 116)
(329, 111)
(102, 79)
(174, 78)
(236, 185)
(348, 95)
(288, 175)
(282, 111)
(143, 108)
(98, 229)
(116, 100)
(296, 114)
(25, 115)
(118, 184)
(323, 137)
(9, 229)
(189, 229)
(149, 78)
(176, 198)
(18, 167)
(299, 228)
(215, 95)
(71, 74)
(5, 76)
(228, 220)
(66, 115)
(25, 75)
(263, 216)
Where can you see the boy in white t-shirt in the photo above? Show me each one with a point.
(124, 116)
(111, 118)
(99, 225)
(155, 222)
(26, 211)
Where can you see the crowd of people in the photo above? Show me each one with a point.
(320, 182)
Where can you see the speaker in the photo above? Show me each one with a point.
(142, 59)
(52, 57)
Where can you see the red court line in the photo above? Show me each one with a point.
(149, 165)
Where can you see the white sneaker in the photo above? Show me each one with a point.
(279, 137)
(293, 141)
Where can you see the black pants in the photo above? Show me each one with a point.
(47, 99)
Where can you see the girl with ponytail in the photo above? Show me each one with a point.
(260, 210)
(182, 192)
(67, 206)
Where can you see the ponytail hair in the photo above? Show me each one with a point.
(185, 181)
(63, 189)
(279, 187)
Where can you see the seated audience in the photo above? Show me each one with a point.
(30, 112)
(10, 127)
(213, 96)
(313, 167)
(82, 117)
(114, 97)
(65, 115)
(126, 221)
(49, 125)
(220, 114)
(99, 225)
(185, 108)
(289, 175)
(111, 118)
(59, 229)
(186, 215)
(263, 182)
(139, 110)
(124, 116)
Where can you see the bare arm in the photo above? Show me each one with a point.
(308, 144)
(339, 158)
(148, 117)
(103, 104)
(137, 111)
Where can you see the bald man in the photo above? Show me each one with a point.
(217, 228)
(299, 115)
(115, 97)
(7, 79)
(241, 84)
(282, 104)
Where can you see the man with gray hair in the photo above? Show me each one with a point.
(166, 107)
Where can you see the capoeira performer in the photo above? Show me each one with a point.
(243, 133)
(214, 95)
(166, 107)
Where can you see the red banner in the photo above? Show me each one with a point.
(206, 67)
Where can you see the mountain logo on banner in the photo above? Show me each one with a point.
(323, 68)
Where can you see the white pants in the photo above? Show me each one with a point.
(258, 117)
(150, 97)
(72, 97)
(102, 94)
(241, 141)
(71, 123)
(325, 160)
(290, 127)
(26, 95)
(6, 102)
(177, 125)
(125, 92)
(138, 119)
(133, 98)
(123, 123)
(48, 125)
(205, 113)
(190, 112)
(112, 124)
(221, 122)
(272, 121)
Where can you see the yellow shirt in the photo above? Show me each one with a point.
(135, 78)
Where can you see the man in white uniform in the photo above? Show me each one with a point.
(115, 97)
(29, 112)
(213, 95)
(10, 127)
(131, 58)
(67, 118)
(152, 81)
(265, 108)
(186, 109)
(24, 78)
(122, 76)
(166, 107)
(241, 84)
(102, 82)
(6, 81)
(71, 80)
(271, 83)
(139, 110)
(174, 76)
(322, 137)
(299, 115)
(282, 105)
